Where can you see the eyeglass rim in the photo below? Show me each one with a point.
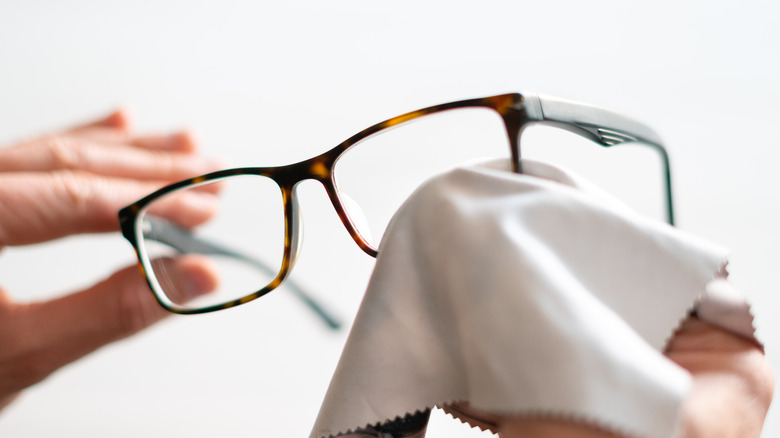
(517, 111)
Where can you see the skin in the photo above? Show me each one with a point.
(74, 182)
(732, 390)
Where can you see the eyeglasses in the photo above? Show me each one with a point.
(253, 239)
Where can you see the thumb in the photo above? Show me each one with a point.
(65, 329)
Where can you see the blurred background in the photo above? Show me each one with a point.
(266, 83)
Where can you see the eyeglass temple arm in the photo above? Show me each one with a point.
(186, 242)
(602, 126)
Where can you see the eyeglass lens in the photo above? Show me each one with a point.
(243, 242)
(375, 176)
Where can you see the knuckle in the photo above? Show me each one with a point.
(75, 189)
(62, 153)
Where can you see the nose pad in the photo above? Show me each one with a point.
(297, 231)
(357, 216)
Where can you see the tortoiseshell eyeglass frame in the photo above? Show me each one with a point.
(517, 110)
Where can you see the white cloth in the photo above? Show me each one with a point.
(523, 294)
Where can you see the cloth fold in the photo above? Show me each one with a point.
(532, 294)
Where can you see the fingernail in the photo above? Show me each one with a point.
(199, 274)
(119, 119)
(184, 140)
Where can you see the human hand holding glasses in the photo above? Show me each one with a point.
(73, 183)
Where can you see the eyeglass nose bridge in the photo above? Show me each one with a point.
(294, 217)
(320, 169)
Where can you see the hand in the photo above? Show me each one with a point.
(71, 183)
(732, 382)
(732, 390)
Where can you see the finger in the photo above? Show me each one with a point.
(186, 277)
(113, 128)
(119, 160)
(531, 426)
(703, 348)
(183, 141)
(40, 207)
(473, 417)
(117, 120)
(697, 336)
(187, 208)
(60, 331)
(732, 380)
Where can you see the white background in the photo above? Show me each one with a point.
(265, 85)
